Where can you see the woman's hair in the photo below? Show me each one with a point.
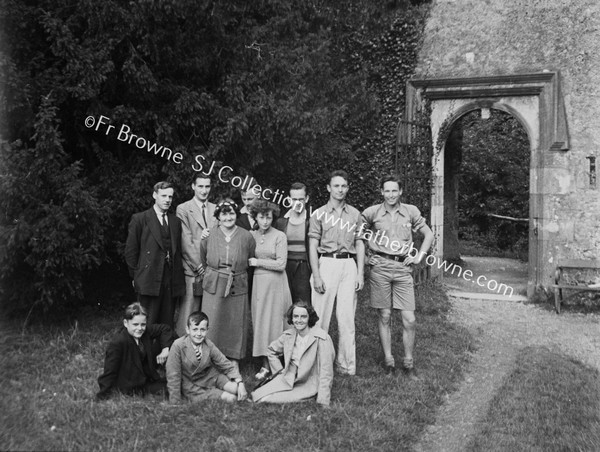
(226, 206)
(134, 309)
(313, 318)
(263, 206)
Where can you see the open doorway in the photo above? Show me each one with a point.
(486, 198)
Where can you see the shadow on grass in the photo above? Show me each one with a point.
(49, 380)
(550, 402)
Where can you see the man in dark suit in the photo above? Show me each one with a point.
(197, 217)
(153, 255)
(244, 219)
(295, 225)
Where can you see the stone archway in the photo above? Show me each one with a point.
(534, 99)
(501, 160)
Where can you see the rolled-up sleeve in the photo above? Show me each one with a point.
(315, 228)
(416, 219)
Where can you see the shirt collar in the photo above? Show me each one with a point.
(330, 207)
(394, 209)
(200, 203)
(244, 210)
(159, 214)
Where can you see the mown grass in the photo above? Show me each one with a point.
(49, 379)
(548, 403)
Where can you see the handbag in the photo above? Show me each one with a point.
(197, 285)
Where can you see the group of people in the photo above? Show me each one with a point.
(248, 267)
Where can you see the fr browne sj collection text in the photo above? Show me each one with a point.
(199, 164)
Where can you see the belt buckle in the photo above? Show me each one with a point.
(335, 255)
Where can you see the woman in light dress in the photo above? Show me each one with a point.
(271, 296)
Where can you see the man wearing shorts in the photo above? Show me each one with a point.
(336, 254)
(388, 231)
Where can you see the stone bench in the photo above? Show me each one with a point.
(574, 274)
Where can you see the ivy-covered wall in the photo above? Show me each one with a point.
(467, 38)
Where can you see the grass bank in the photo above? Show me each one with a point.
(549, 403)
(49, 379)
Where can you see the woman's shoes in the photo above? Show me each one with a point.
(262, 374)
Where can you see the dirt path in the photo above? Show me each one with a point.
(501, 328)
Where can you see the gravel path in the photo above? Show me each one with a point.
(501, 329)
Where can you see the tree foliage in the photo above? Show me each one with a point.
(52, 222)
(280, 89)
(494, 179)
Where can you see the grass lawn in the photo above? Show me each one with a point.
(549, 403)
(48, 381)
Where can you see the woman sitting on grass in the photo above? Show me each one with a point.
(129, 365)
(308, 355)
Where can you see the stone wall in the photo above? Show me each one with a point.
(467, 38)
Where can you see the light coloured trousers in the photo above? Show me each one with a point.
(339, 276)
(189, 303)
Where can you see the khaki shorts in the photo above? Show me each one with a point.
(392, 284)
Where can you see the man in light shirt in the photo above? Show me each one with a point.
(388, 231)
(336, 255)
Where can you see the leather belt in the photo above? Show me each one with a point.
(338, 255)
(392, 256)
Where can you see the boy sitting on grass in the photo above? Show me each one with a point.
(132, 356)
(198, 371)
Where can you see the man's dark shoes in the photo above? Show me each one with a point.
(389, 369)
(410, 373)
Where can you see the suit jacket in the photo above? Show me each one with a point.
(314, 375)
(145, 253)
(243, 222)
(123, 369)
(192, 225)
(188, 378)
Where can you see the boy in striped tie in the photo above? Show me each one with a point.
(198, 371)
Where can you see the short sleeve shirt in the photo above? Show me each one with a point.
(337, 230)
(390, 231)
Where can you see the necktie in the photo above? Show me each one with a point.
(165, 225)
(198, 351)
(142, 350)
(204, 215)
